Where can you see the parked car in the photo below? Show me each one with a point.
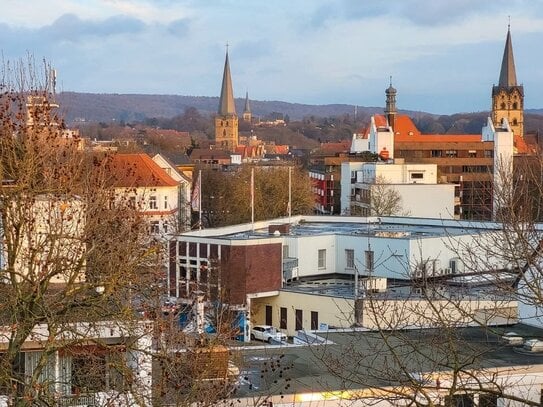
(533, 345)
(267, 333)
(512, 338)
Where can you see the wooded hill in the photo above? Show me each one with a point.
(126, 108)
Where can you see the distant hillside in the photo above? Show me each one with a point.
(96, 107)
(107, 108)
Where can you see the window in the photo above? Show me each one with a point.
(436, 153)
(349, 258)
(472, 153)
(166, 202)
(88, 373)
(417, 175)
(369, 261)
(283, 318)
(269, 319)
(132, 202)
(515, 106)
(152, 202)
(155, 227)
(322, 258)
(489, 153)
(459, 400)
(314, 320)
(488, 400)
(165, 227)
(285, 251)
(451, 153)
(299, 320)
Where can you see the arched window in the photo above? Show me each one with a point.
(227, 123)
(515, 122)
(503, 105)
(515, 106)
(224, 133)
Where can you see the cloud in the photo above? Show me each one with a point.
(71, 28)
(179, 28)
(253, 49)
(418, 12)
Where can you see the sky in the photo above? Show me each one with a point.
(443, 55)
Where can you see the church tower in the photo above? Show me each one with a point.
(247, 116)
(390, 109)
(508, 96)
(226, 120)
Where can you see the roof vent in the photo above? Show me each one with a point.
(283, 229)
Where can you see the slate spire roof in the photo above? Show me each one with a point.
(508, 75)
(247, 108)
(226, 102)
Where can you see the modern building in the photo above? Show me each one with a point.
(268, 270)
(363, 368)
(379, 188)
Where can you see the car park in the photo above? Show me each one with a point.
(267, 333)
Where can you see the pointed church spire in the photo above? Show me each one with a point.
(247, 108)
(226, 102)
(508, 75)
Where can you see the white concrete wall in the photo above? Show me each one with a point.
(427, 201)
(359, 144)
(381, 139)
(346, 169)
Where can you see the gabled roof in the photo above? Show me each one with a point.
(226, 102)
(336, 147)
(137, 170)
(508, 75)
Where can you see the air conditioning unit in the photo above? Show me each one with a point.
(456, 265)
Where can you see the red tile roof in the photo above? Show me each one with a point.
(406, 131)
(336, 147)
(137, 170)
(522, 147)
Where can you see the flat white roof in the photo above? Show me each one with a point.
(387, 227)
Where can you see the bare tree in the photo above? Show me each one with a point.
(226, 195)
(436, 343)
(80, 277)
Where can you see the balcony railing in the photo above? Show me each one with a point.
(78, 400)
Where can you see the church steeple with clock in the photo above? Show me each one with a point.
(226, 120)
(508, 95)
